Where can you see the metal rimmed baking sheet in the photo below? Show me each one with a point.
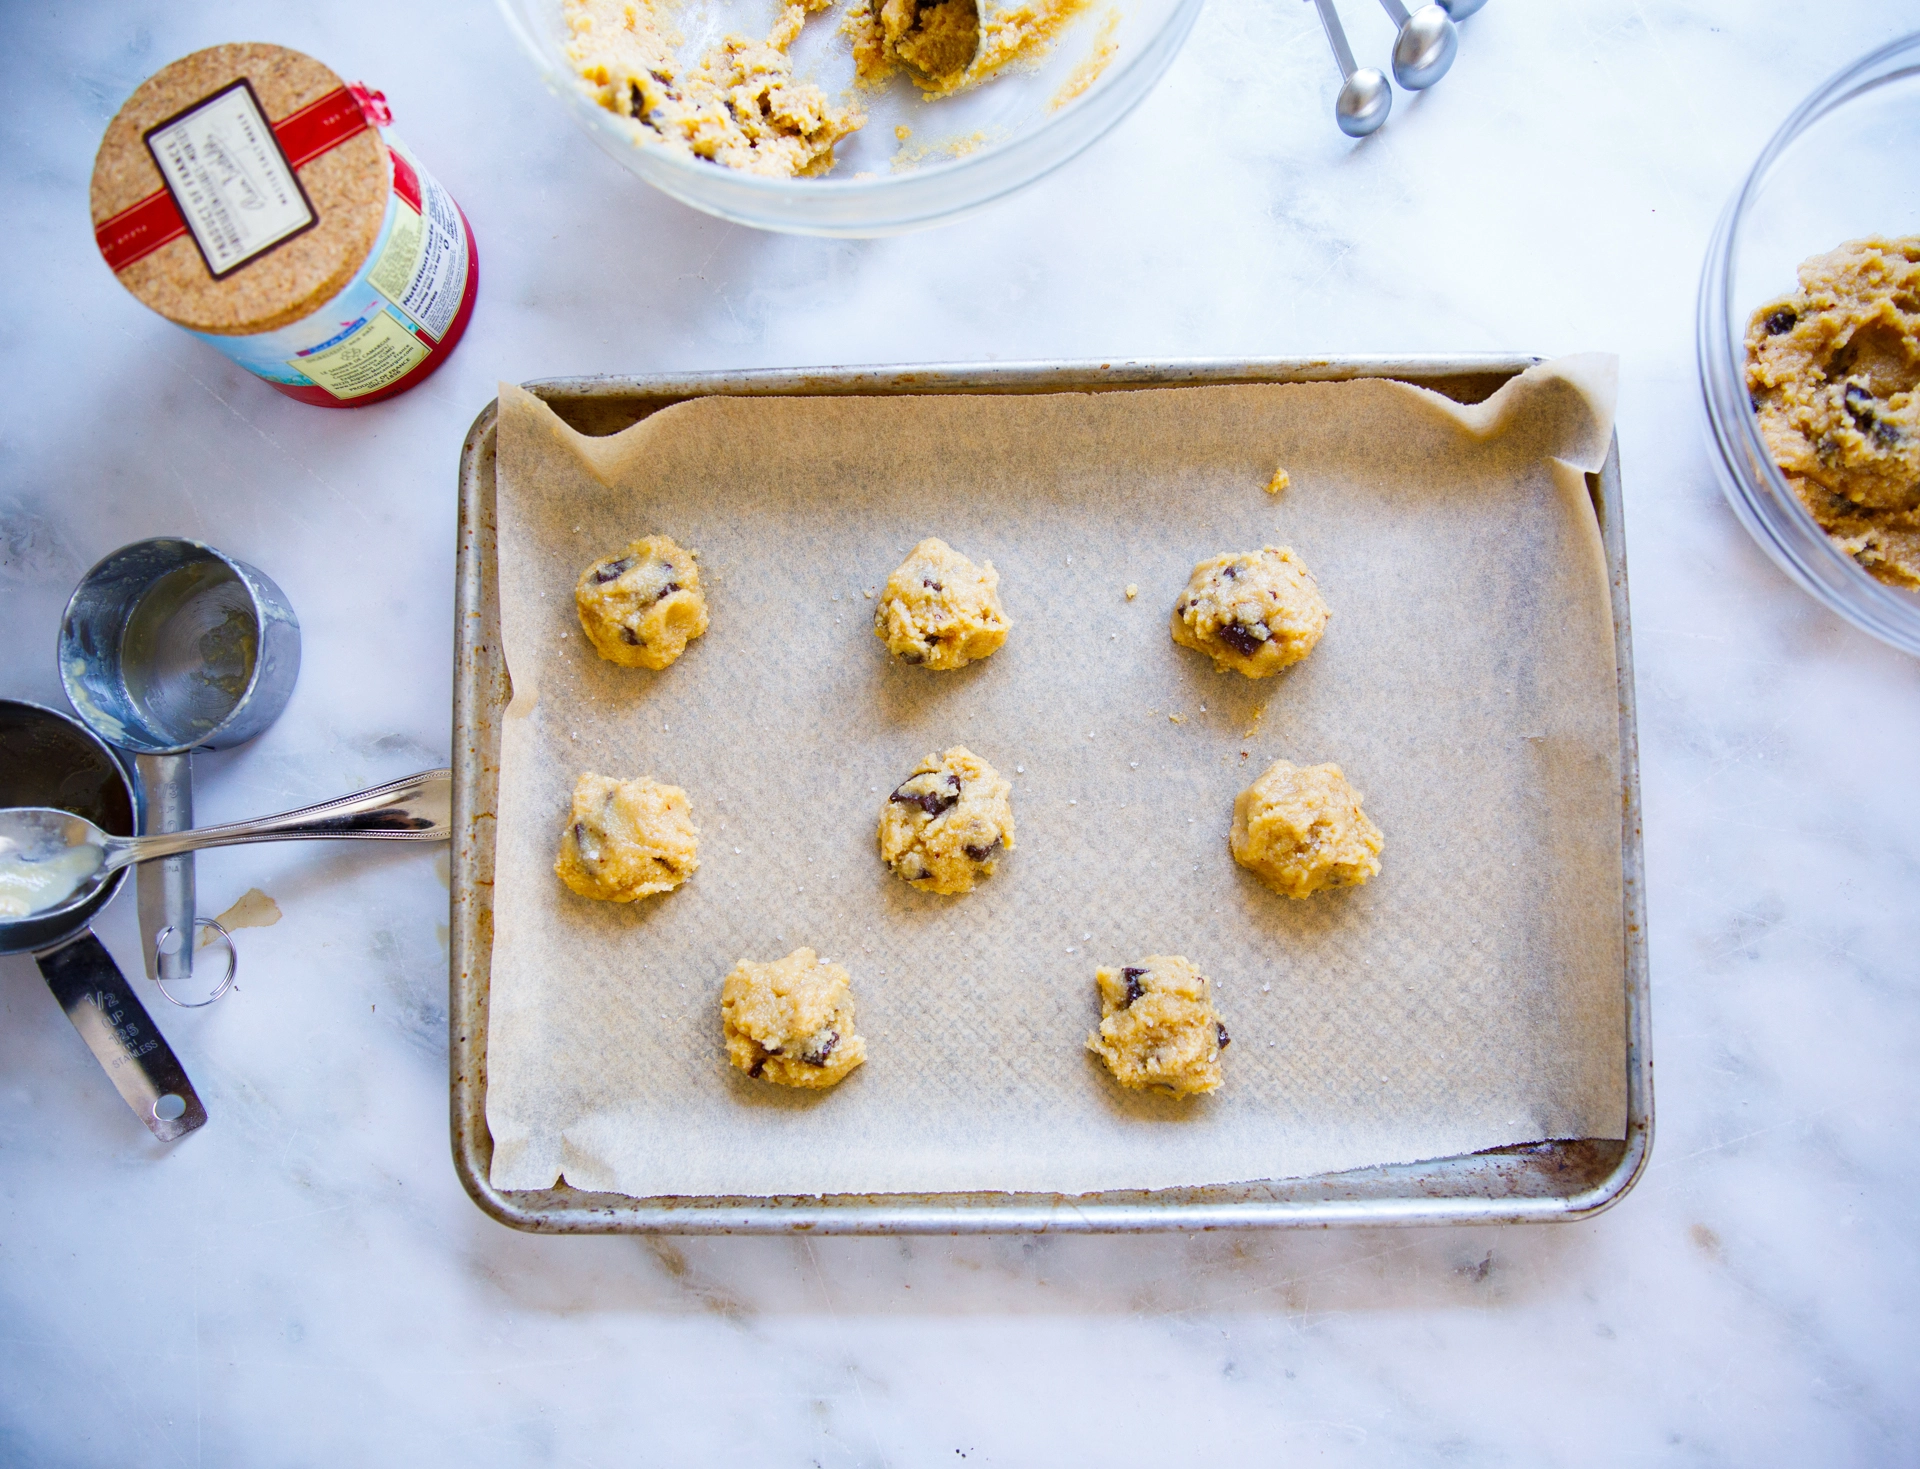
(1542, 1181)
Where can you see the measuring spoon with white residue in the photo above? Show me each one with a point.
(52, 860)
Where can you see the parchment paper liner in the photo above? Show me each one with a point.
(1469, 997)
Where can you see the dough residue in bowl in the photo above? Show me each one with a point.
(740, 106)
(1832, 371)
(947, 46)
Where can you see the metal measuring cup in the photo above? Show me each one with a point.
(48, 759)
(167, 647)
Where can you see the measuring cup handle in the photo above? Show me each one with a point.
(166, 887)
(122, 1036)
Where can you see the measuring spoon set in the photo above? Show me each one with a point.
(1423, 49)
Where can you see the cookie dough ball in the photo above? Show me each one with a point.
(1158, 1027)
(791, 1021)
(940, 610)
(943, 825)
(1300, 829)
(627, 838)
(1254, 612)
(1832, 372)
(641, 607)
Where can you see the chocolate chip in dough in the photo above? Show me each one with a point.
(1240, 637)
(931, 802)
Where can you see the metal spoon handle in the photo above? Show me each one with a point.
(418, 808)
(1396, 12)
(1336, 36)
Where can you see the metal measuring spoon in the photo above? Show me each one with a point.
(169, 646)
(1424, 49)
(49, 756)
(1365, 98)
(1460, 9)
(61, 859)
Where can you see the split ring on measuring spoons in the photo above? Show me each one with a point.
(167, 647)
(1365, 97)
(226, 980)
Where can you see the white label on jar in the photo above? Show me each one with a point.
(370, 355)
(226, 171)
(423, 269)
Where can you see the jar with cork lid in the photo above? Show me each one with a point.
(249, 195)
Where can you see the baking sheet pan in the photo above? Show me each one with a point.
(1542, 1180)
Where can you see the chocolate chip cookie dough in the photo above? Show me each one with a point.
(934, 39)
(627, 839)
(791, 1021)
(641, 607)
(740, 107)
(1832, 372)
(1158, 1027)
(1254, 612)
(943, 44)
(939, 610)
(1300, 829)
(943, 827)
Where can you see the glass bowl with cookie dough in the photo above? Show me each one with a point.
(1809, 345)
(860, 118)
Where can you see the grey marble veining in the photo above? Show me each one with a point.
(303, 1282)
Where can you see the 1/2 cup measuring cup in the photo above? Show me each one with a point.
(168, 646)
(49, 759)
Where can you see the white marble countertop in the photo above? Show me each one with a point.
(304, 1281)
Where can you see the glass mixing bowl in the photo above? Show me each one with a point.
(965, 152)
(1844, 166)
